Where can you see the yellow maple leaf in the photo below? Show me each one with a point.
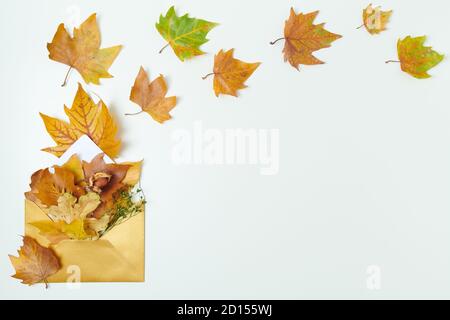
(56, 232)
(82, 52)
(50, 230)
(86, 118)
(230, 74)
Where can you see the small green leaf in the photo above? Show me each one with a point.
(184, 34)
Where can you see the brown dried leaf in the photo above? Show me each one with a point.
(151, 97)
(82, 52)
(302, 38)
(35, 263)
(105, 179)
(47, 187)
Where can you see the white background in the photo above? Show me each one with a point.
(364, 173)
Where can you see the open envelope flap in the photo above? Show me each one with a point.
(119, 256)
(86, 150)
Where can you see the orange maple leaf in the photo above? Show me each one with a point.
(302, 38)
(35, 263)
(151, 97)
(82, 52)
(230, 74)
(47, 187)
(86, 118)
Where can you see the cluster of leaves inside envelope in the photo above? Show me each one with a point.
(82, 201)
(79, 197)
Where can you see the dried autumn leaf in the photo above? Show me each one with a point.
(151, 97)
(375, 20)
(56, 232)
(74, 165)
(50, 230)
(82, 52)
(230, 74)
(415, 58)
(302, 38)
(106, 179)
(47, 187)
(86, 118)
(64, 210)
(70, 208)
(133, 173)
(35, 263)
(184, 34)
(75, 230)
(68, 218)
(96, 226)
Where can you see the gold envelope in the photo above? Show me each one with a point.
(119, 256)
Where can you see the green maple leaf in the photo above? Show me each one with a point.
(184, 34)
(415, 58)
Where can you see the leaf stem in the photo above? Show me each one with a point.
(67, 77)
(275, 41)
(208, 75)
(162, 49)
(134, 114)
(46, 284)
(360, 26)
(392, 61)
